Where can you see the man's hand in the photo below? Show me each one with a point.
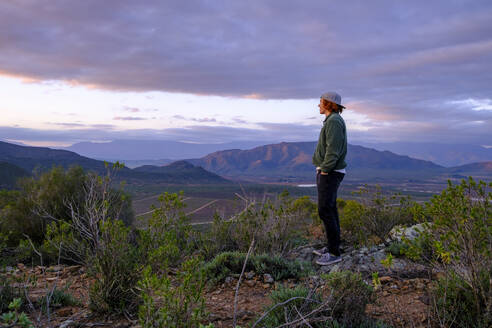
(323, 173)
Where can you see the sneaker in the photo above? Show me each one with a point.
(321, 251)
(327, 259)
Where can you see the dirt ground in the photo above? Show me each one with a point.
(400, 303)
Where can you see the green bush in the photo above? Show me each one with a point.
(116, 268)
(454, 302)
(58, 298)
(168, 302)
(13, 318)
(52, 196)
(228, 263)
(278, 225)
(167, 237)
(458, 241)
(370, 220)
(8, 293)
(349, 296)
(300, 305)
(296, 299)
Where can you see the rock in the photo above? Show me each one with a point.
(410, 233)
(268, 278)
(385, 279)
(228, 280)
(249, 275)
(335, 268)
(266, 286)
(250, 283)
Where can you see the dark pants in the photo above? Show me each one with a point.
(327, 208)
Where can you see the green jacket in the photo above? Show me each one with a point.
(332, 144)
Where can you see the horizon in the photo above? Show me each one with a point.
(228, 72)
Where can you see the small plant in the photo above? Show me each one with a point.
(8, 293)
(229, 263)
(294, 301)
(14, 318)
(388, 261)
(175, 302)
(58, 298)
(376, 283)
(397, 248)
(350, 295)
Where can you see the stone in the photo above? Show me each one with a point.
(335, 268)
(410, 233)
(249, 275)
(228, 280)
(250, 283)
(268, 278)
(385, 279)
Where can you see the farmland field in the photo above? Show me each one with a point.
(203, 201)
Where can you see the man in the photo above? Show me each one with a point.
(329, 159)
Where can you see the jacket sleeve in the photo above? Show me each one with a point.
(334, 146)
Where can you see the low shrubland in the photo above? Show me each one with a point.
(158, 273)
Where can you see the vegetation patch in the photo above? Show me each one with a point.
(229, 263)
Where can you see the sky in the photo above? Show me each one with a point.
(221, 71)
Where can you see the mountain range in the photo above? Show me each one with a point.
(151, 150)
(270, 163)
(159, 152)
(28, 159)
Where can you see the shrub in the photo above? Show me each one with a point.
(277, 225)
(14, 318)
(296, 299)
(79, 238)
(229, 263)
(460, 241)
(301, 306)
(166, 240)
(175, 302)
(454, 303)
(8, 293)
(115, 268)
(349, 297)
(58, 298)
(371, 219)
(53, 196)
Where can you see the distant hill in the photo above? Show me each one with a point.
(442, 154)
(182, 171)
(293, 159)
(44, 158)
(9, 173)
(124, 150)
(478, 170)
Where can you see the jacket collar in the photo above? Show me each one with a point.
(332, 113)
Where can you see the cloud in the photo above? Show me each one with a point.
(421, 66)
(131, 109)
(129, 118)
(195, 119)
